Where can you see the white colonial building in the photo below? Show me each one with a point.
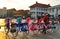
(3, 12)
(54, 10)
(37, 9)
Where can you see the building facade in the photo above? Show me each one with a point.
(37, 9)
(11, 12)
(3, 12)
(54, 10)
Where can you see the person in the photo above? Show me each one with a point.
(40, 22)
(28, 19)
(55, 22)
(15, 24)
(25, 27)
(46, 20)
(8, 21)
(33, 26)
(13, 30)
(24, 24)
(18, 20)
(42, 25)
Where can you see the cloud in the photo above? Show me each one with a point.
(24, 4)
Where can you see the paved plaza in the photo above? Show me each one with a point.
(49, 35)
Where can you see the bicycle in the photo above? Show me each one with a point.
(6, 32)
(14, 31)
(34, 28)
(25, 30)
(42, 28)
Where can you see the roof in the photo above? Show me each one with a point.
(40, 5)
(13, 9)
(20, 12)
(56, 6)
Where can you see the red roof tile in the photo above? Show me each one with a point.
(40, 5)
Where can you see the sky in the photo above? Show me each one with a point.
(24, 4)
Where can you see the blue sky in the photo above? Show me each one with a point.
(24, 4)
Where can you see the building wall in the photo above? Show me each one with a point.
(37, 11)
(0, 13)
(59, 12)
(54, 11)
(3, 12)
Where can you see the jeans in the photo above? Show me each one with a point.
(53, 26)
(19, 28)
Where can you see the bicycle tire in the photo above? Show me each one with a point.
(56, 29)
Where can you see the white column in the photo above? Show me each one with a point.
(56, 12)
(35, 15)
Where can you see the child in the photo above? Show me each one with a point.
(13, 30)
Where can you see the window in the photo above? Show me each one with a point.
(37, 12)
(46, 9)
(41, 9)
(52, 10)
(37, 8)
(32, 8)
(57, 10)
(40, 13)
(49, 10)
(33, 12)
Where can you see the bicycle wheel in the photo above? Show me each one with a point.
(14, 37)
(56, 29)
(7, 36)
(7, 32)
(44, 29)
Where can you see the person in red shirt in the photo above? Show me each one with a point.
(28, 19)
(40, 20)
(46, 20)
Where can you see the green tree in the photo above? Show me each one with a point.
(26, 14)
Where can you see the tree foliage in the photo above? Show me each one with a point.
(26, 14)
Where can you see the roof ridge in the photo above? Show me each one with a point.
(40, 5)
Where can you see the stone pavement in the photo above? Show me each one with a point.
(49, 35)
